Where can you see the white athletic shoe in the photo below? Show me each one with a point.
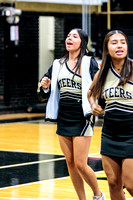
(99, 198)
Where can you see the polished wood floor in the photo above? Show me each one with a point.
(32, 165)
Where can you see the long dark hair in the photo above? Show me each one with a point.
(84, 50)
(106, 61)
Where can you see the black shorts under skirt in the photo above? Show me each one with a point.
(71, 121)
(117, 134)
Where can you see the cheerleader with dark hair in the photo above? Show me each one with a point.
(114, 82)
(65, 85)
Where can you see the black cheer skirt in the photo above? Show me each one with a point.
(71, 121)
(117, 134)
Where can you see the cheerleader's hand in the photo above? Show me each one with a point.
(45, 82)
(96, 109)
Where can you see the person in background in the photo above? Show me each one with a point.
(114, 83)
(65, 85)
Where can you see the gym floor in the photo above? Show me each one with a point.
(32, 165)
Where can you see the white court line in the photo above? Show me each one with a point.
(39, 182)
(32, 183)
(41, 161)
(31, 163)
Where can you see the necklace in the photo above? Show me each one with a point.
(115, 68)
